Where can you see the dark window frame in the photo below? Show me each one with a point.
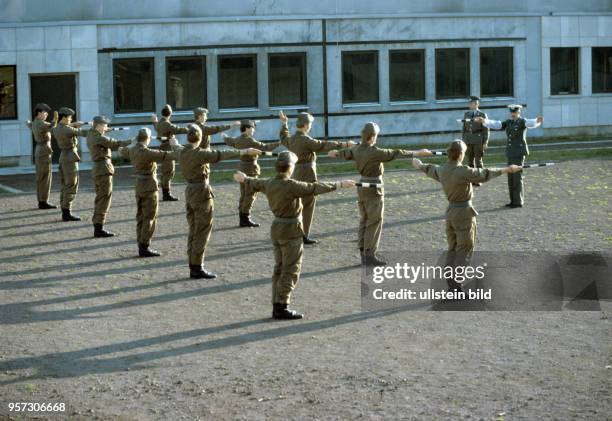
(603, 91)
(222, 56)
(377, 61)
(16, 117)
(304, 57)
(577, 69)
(422, 73)
(511, 51)
(154, 99)
(204, 61)
(461, 95)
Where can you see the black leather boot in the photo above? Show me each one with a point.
(308, 240)
(370, 259)
(46, 205)
(167, 196)
(198, 272)
(146, 251)
(282, 312)
(246, 221)
(100, 232)
(68, 216)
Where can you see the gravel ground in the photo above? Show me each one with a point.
(85, 322)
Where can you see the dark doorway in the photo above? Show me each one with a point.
(56, 91)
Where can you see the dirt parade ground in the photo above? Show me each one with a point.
(87, 323)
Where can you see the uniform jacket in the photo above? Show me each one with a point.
(100, 148)
(248, 163)
(475, 133)
(39, 130)
(144, 161)
(68, 139)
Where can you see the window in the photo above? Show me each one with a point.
(134, 86)
(359, 76)
(496, 72)
(8, 93)
(238, 81)
(564, 73)
(407, 75)
(186, 82)
(452, 73)
(602, 69)
(287, 79)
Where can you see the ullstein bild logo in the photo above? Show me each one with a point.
(491, 281)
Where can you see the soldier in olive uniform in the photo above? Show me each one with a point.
(249, 166)
(41, 130)
(166, 129)
(306, 148)
(475, 134)
(457, 180)
(145, 162)
(201, 115)
(67, 134)
(100, 147)
(199, 195)
(284, 196)
(516, 148)
(369, 161)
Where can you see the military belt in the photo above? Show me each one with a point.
(288, 220)
(466, 204)
(375, 180)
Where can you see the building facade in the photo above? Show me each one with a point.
(410, 67)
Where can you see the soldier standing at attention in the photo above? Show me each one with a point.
(199, 196)
(41, 130)
(284, 196)
(249, 166)
(167, 130)
(306, 148)
(475, 134)
(67, 134)
(516, 147)
(369, 161)
(201, 115)
(456, 180)
(145, 162)
(100, 148)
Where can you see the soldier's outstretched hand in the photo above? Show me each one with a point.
(239, 176)
(333, 153)
(250, 151)
(540, 119)
(479, 120)
(515, 168)
(55, 116)
(282, 117)
(349, 143)
(423, 152)
(417, 163)
(347, 183)
(154, 118)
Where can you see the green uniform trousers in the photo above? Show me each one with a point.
(308, 202)
(69, 178)
(104, 194)
(247, 198)
(146, 216)
(473, 155)
(200, 220)
(515, 181)
(167, 167)
(287, 267)
(460, 235)
(371, 211)
(43, 177)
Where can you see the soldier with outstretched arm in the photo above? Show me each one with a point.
(41, 130)
(475, 134)
(456, 180)
(306, 148)
(284, 197)
(201, 115)
(516, 147)
(369, 160)
(249, 166)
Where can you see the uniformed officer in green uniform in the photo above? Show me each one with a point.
(199, 196)
(201, 115)
(475, 134)
(167, 130)
(100, 147)
(516, 147)
(67, 134)
(369, 160)
(284, 197)
(145, 162)
(249, 166)
(306, 148)
(457, 180)
(41, 130)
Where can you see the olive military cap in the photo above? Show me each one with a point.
(515, 107)
(143, 134)
(474, 98)
(199, 111)
(66, 111)
(286, 157)
(100, 119)
(41, 106)
(303, 119)
(247, 123)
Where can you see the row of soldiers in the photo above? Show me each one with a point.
(291, 194)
